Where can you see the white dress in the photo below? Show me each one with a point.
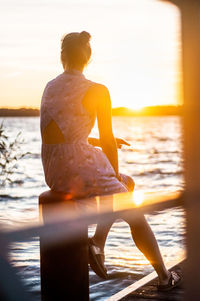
(74, 167)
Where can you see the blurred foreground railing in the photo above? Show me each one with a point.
(190, 51)
(53, 232)
(63, 240)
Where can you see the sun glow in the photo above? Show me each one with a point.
(137, 57)
(138, 198)
(138, 107)
(123, 201)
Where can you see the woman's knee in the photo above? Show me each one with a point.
(136, 221)
(128, 182)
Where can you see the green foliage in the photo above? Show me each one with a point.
(10, 153)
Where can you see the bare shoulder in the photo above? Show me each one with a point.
(100, 94)
(96, 97)
(98, 89)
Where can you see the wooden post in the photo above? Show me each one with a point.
(64, 267)
(190, 14)
(190, 19)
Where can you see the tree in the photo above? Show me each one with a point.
(10, 153)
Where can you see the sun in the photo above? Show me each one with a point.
(138, 107)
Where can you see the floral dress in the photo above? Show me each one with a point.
(74, 167)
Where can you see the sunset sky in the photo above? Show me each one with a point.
(135, 43)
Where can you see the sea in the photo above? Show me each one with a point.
(154, 159)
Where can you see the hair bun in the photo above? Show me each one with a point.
(84, 36)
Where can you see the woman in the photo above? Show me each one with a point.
(70, 105)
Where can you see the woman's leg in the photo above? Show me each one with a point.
(102, 229)
(146, 242)
(101, 234)
(128, 182)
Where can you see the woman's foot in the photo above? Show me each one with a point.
(174, 280)
(96, 259)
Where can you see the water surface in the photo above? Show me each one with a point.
(154, 160)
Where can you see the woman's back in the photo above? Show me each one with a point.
(71, 165)
(62, 104)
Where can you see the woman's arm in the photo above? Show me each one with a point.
(119, 141)
(94, 141)
(104, 118)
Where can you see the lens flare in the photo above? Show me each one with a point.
(138, 198)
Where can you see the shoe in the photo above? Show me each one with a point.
(174, 280)
(96, 260)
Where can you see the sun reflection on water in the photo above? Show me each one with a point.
(138, 198)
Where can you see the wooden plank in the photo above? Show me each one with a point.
(140, 283)
(150, 291)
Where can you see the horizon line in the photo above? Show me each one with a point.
(114, 107)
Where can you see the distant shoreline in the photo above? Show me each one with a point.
(21, 112)
(120, 111)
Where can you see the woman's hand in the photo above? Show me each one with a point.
(94, 141)
(121, 142)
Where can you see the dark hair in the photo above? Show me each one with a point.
(75, 50)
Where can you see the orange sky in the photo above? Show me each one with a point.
(136, 48)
